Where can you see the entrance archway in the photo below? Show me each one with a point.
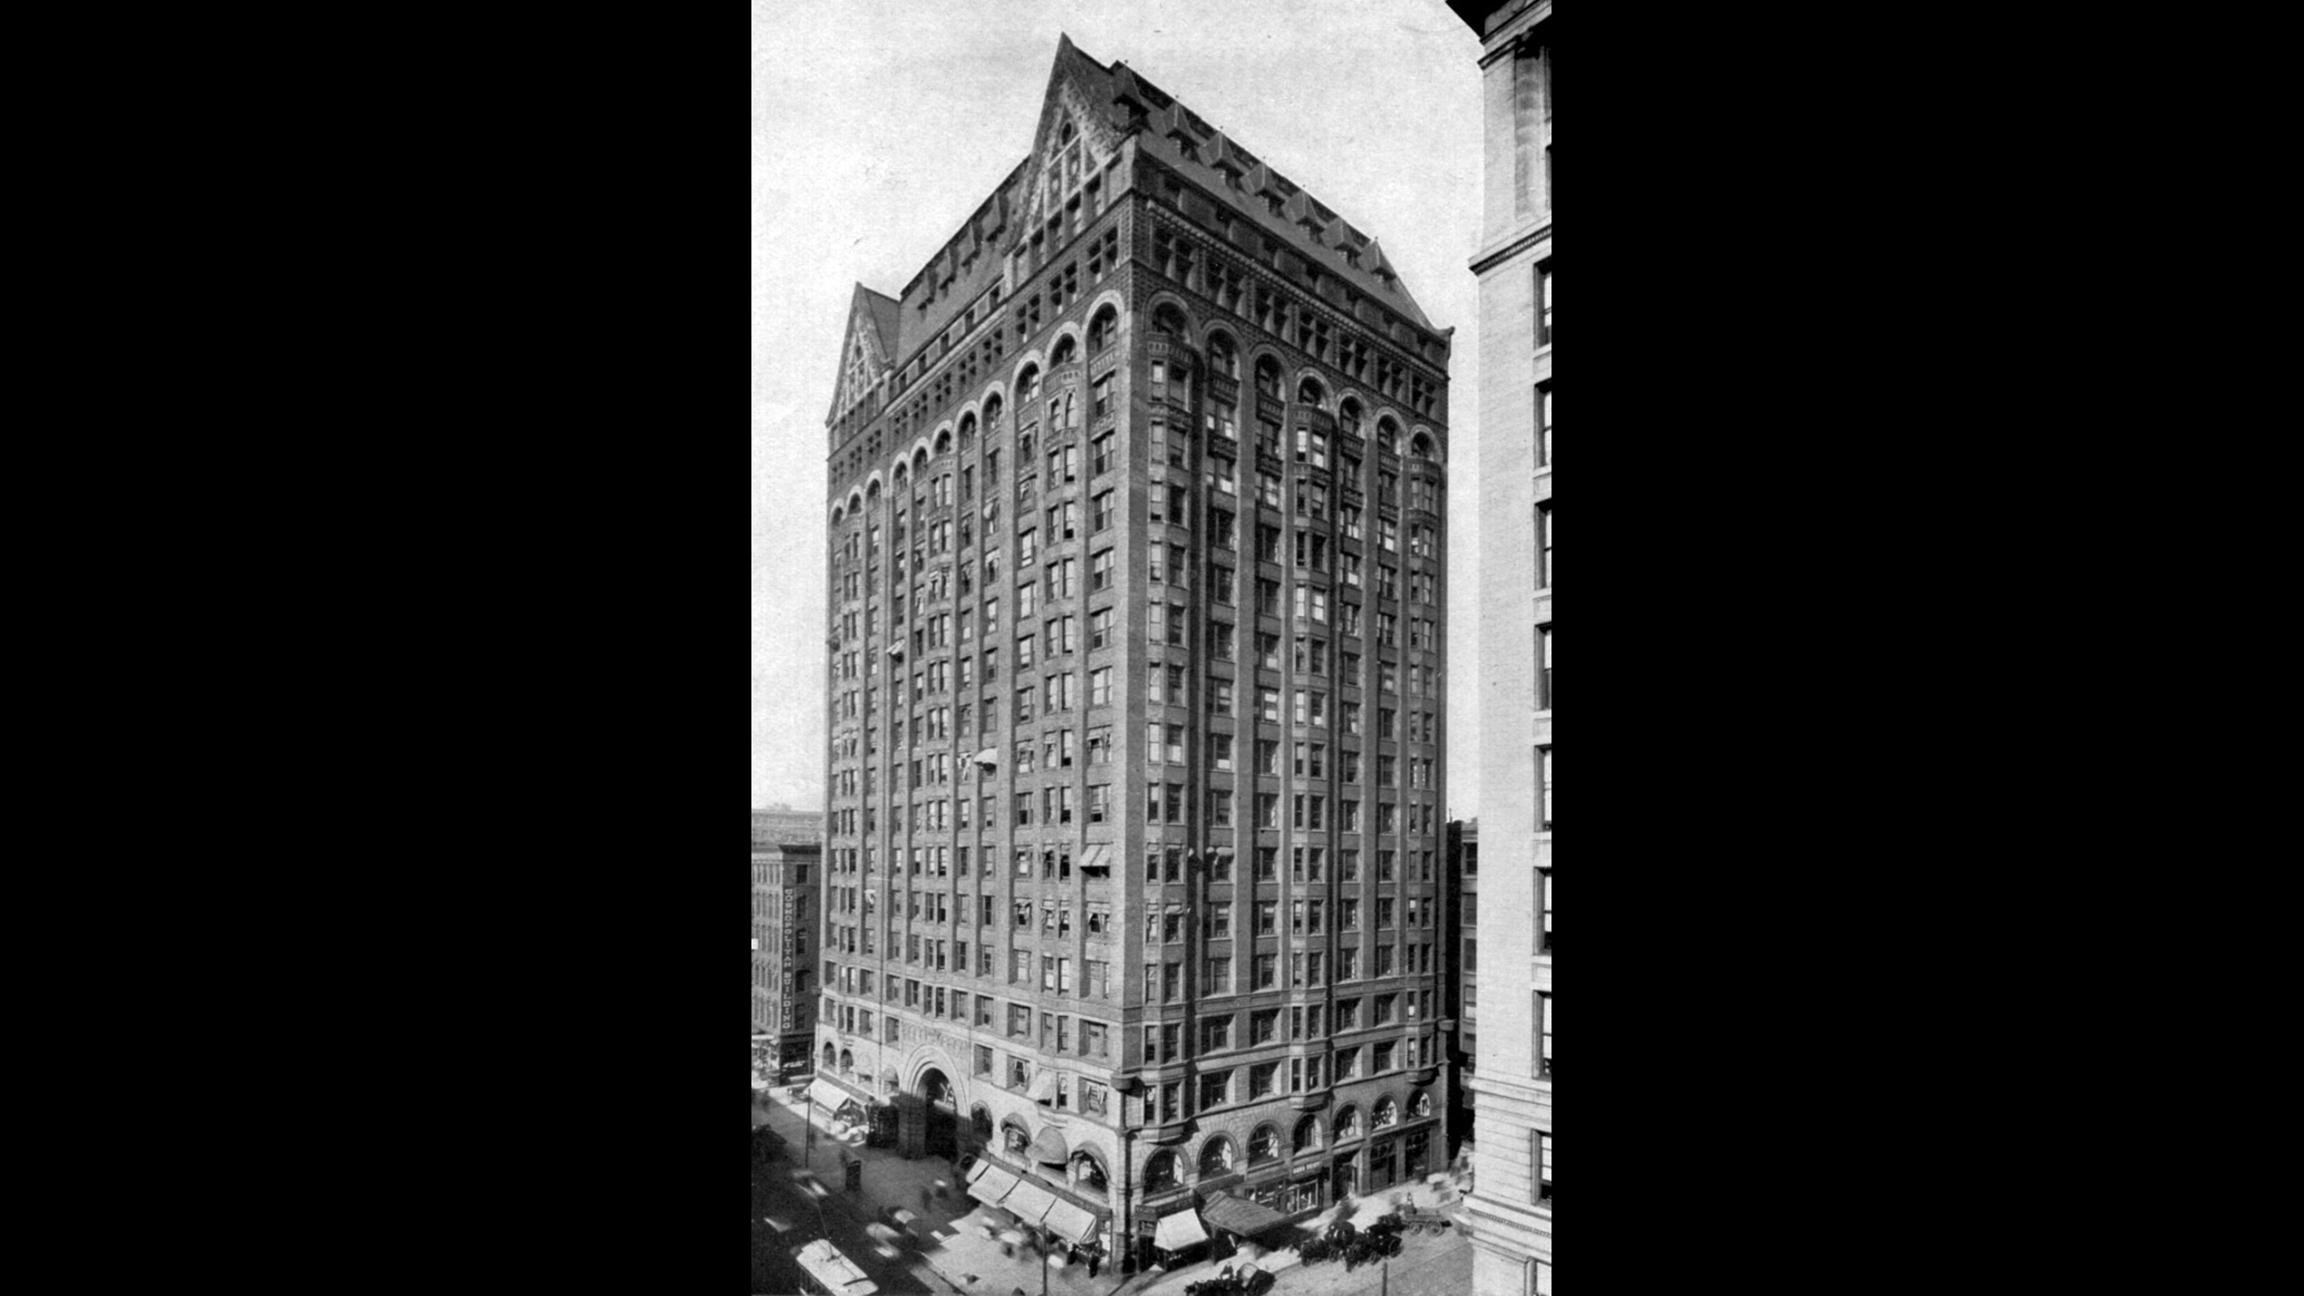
(943, 1112)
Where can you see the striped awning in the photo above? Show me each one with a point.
(1240, 1215)
(989, 1183)
(1028, 1201)
(1070, 1222)
(1096, 855)
(1178, 1230)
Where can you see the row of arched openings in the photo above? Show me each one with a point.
(1219, 1156)
(1223, 358)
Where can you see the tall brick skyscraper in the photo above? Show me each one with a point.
(1137, 569)
(1510, 1211)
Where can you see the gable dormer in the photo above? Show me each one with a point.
(1079, 132)
(867, 354)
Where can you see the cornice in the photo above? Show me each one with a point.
(1501, 42)
(1485, 261)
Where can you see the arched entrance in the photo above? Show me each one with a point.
(943, 1113)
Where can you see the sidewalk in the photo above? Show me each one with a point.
(1431, 1262)
(964, 1261)
(973, 1265)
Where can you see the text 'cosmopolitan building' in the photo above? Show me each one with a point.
(1136, 589)
(1509, 1213)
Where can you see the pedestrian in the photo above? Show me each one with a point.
(1092, 1258)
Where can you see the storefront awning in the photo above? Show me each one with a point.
(1028, 1201)
(989, 1183)
(823, 1093)
(1240, 1215)
(1048, 1147)
(1070, 1222)
(1179, 1230)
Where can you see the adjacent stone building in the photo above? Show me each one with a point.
(1138, 562)
(1510, 1211)
(786, 874)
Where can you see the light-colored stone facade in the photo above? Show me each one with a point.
(1509, 1213)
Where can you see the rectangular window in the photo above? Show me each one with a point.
(1544, 667)
(1215, 1089)
(1544, 899)
(1544, 545)
(1543, 303)
(1544, 1027)
(1544, 424)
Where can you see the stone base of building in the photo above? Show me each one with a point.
(1511, 1233)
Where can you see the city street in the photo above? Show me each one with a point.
(774, 1194)
(951, 1260)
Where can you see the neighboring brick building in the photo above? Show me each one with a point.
(786, 875)
(1138, 562)
(1510, 1211)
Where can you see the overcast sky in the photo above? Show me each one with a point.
(879, 125)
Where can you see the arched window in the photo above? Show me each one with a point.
(980, 1121)
(1421, 447)
(1168, 319)
(1160, 1172)
(835, 515)
(1310, 392)
(991, 412)
(1101, 329)
(1263, 1145)
(1088, 1176)
(1388, 434)
(1025, 383)
(1386, 1114)
(888, 1081)
(919, 460)
(1347, 1123)
(1216, 1157)
(1348, 415)
(1013, 1139)
(1064, 353)
(902, 475)
(1421, 1104)
(1307, 1134)
(1222, 357)
(873, 491)
(968, 429)
(943, 441)
(847, 1062)
(827, 1056)
(1268, 376)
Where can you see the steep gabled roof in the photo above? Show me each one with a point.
(1104, 104)
(1177, 136)
(867, 348)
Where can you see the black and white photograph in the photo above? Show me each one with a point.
(1151, 451)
